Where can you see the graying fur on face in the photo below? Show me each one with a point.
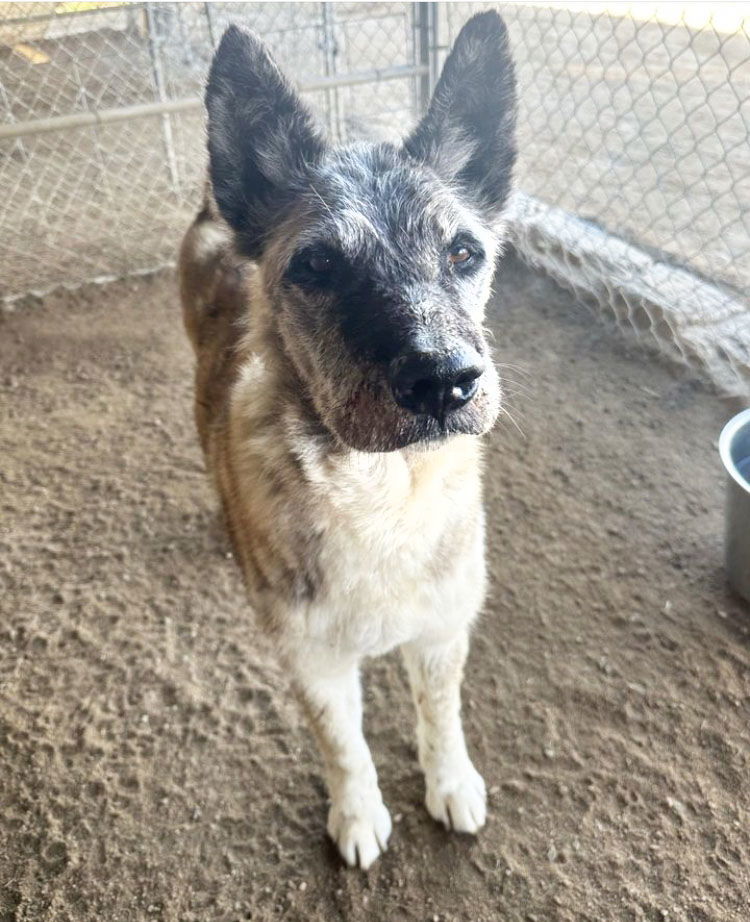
(381, 219)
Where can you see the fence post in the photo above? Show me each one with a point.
(330, 51)
(423, 42)
(426, 27)
(158, 76)
(209, 14)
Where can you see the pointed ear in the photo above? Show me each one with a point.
(468, 133)
(261, 137)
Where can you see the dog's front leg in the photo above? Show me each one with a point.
(358, 820)
(455, 791)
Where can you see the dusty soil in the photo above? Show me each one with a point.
(153, 764)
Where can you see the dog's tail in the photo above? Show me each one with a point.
(215, 298)
(207, 271)
(209, 210)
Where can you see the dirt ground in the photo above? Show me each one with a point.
(153, 765)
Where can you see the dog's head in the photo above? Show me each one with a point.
(376, 259)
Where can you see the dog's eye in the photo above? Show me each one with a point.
(315, 268)
(459, 255)
(319, 264)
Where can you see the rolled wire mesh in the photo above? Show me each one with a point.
(633, 175)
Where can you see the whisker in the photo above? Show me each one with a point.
(321, 199)
(511, 406)
(523, 397)
(509, 384)
(521, 369)
(507, 413)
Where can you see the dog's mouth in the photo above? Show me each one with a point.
(372, 420)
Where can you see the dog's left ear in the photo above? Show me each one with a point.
(262, 138)
(468, 133)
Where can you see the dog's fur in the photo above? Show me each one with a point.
(357, 523)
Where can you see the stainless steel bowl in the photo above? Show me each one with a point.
(734, 448)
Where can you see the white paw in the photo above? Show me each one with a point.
(361, 830)
(457, 798)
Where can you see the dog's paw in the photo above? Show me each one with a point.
(360, 830)
(458, 799)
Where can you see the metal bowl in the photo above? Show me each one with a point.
(734, 448)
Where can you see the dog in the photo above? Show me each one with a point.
(334, 297)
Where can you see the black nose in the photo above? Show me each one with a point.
(436, 383)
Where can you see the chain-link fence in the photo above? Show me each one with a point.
(634, 166)
(634, 171)
(102, 148)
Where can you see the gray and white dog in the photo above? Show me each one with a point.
(335, 298)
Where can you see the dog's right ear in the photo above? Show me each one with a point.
(468, 133)
(261, 137)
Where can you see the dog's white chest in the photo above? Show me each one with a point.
(401, 548)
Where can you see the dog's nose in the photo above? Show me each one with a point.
(435, 383)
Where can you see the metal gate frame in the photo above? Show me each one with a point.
(425, 28)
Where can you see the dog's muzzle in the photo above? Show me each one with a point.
(435, 383)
